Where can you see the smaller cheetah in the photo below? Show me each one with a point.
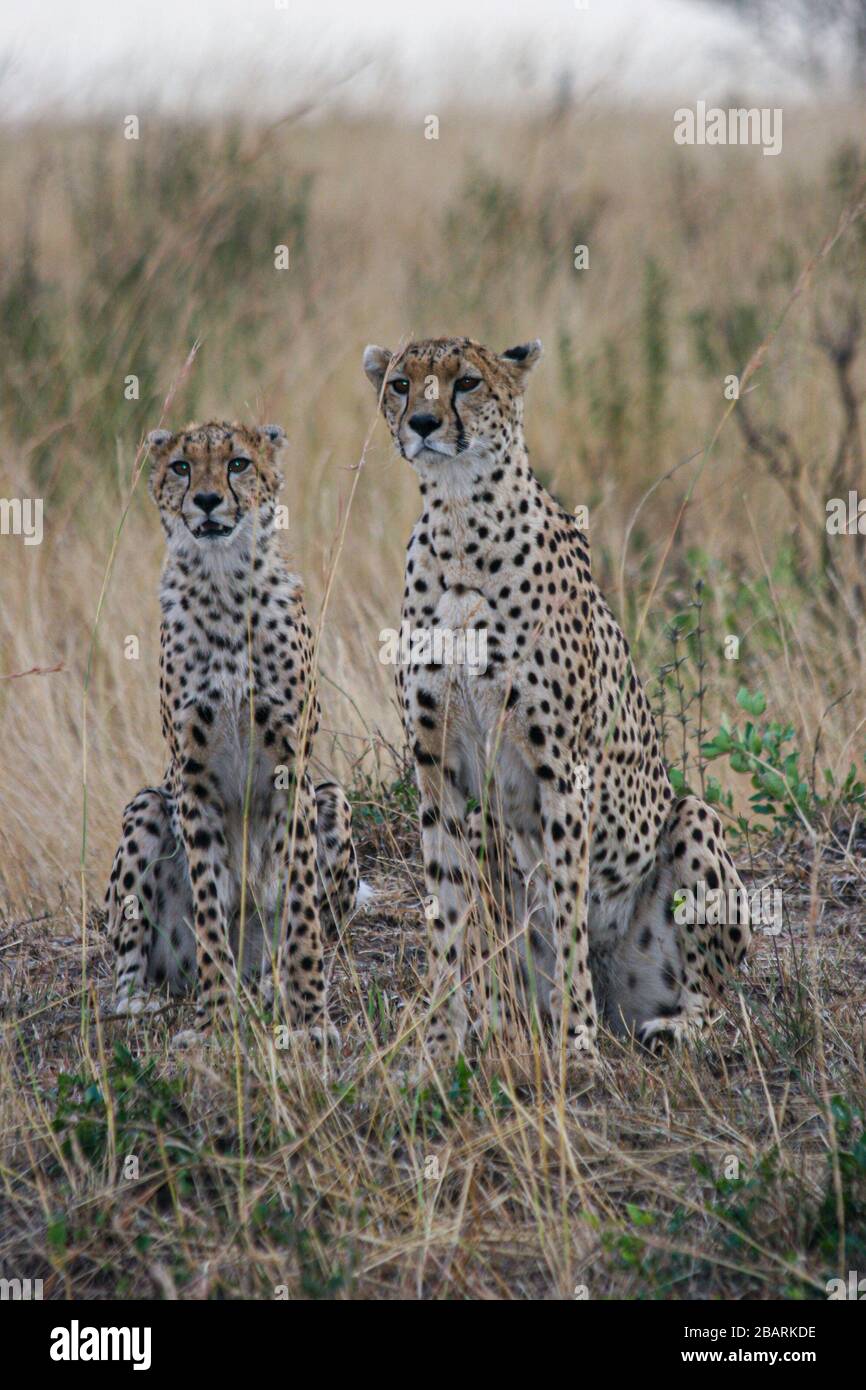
(237, 805)
(542, 785)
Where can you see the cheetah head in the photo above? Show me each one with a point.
(213, 482)
(451, 398)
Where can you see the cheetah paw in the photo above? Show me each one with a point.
(267, 993)
(580, 1042)
(581, 1054)
(326, 1036)
(678, 1031)
(128, 1005)
(322, 1037)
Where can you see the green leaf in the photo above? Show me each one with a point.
(752, 703)
(772, 784)
(56, 1233)
(716, 747)
(638, 1216)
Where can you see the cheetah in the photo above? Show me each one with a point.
(237, 805)
(549, 743)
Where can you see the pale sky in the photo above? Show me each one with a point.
(262, 54)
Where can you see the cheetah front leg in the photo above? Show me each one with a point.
(214, 898)
(300, 961)
(446, 866)
(336, 860)
(565, 828)
(291, 854)
(128, 926)
(492, 949)
(148, 893)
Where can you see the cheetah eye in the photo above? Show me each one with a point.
(467, 383)
(400, 384)
(181, 468)
(238, 465)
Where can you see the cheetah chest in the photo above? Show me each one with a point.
(239, 777)
(493, 769)
(471, 705)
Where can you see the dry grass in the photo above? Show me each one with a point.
(255, 1169)
(709, 1175)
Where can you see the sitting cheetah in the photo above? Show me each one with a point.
(239, 712)
(550, 740)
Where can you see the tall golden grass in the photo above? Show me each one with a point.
(117, 256)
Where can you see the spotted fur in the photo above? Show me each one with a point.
(575, 827)
(239, 710)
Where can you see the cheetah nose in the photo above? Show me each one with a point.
(207, 501)
(423, 424)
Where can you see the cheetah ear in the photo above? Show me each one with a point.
(376, 360)
(275, 433)
(523, 357)
(272, 438)
(157, 438)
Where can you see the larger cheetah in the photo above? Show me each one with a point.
(239, 709)
(552, 739)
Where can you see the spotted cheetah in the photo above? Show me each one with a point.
(237, 805)
(549, 742)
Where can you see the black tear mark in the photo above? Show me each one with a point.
(461, 433)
